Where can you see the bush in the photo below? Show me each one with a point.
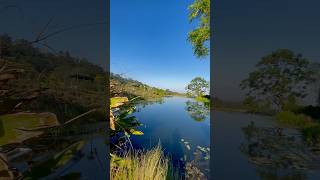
(312, 111)
(311, 134)
(291, 119)
(256, 106)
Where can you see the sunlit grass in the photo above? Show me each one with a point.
(140, 165)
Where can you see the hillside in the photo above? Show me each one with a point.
(120, 86)
(34, 80)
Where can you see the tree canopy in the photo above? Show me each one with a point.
(279, 77)
(199, 37)
(197, 87)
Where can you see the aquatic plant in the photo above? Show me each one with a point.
(197, 164)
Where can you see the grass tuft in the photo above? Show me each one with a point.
(141, 165)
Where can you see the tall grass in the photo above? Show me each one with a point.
(139, 165)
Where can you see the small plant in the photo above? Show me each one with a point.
(311, 134)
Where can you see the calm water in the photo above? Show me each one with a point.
(168, 122)
(228, 161)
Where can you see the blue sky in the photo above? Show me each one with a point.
(148, 43)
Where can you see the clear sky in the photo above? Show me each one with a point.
(149, 43)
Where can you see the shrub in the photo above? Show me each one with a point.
(311, 134)
(288, 118)
(312, 111)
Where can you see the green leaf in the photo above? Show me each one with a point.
(136, 132)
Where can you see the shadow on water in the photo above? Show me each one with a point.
(278, 153)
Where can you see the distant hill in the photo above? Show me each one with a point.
(120, 86)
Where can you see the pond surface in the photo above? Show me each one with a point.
(230, 163)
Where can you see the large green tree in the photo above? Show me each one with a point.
(280, 77)
(197, 87)
(200, 36)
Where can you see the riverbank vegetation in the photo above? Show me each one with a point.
(127, 87)
(198, 88)
(279, 87)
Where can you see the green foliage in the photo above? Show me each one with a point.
(309, 128)
(9, 123)
(290, 104)
(200, 36)
(311, 134)
(120, 86)
(253, 105)
(279, 76)
(117, 101)
(197, 87)
(202, 99)
(288, 118)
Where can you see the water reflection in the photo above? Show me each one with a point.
(197, 110)
(277, 153)
(60, 152)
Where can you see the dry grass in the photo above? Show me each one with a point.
(140, 165)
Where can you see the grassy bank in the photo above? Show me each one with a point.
(308, 125)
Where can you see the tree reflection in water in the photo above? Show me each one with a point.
(197, 110)
(277, 154)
